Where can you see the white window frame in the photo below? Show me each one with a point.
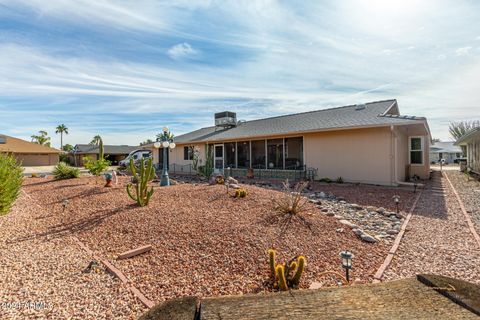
(422, 149)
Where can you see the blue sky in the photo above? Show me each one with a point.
(125, 69)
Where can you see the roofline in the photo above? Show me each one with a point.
(293, 133)
(467, 135)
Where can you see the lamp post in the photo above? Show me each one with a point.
(396, 199)
(346, 262)
(165, 140)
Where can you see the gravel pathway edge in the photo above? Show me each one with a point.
(464, 211)
(386, 263)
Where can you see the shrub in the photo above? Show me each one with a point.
(65, 158)
(219, 179)
(291, 202)
(96, 167)
(287, 275)
(140, 182)
(339, 180)
(327, 180)
(10, 182)
(64, 171)
(207, 169)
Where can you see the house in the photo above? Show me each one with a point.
(368, 143)
(445, 150)
(471, 141)
(29, 153)
(113, 153)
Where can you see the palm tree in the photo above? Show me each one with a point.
(61, 129)
(96, 140)
(42, 138)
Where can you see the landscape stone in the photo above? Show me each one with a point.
(368, 238)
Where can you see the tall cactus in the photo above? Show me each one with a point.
(140, 182)
(101, 150)
(299, 270)
(286, 275)
(271, 257)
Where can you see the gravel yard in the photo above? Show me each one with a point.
(42, 278)
(437, 239)
(204, 243)
(469, 191)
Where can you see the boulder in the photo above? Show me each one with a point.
(232, 180)
(381, 210)
(392, 232)
(357, 231)
(348, 223)
(368, 238)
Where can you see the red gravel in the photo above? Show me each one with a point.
(439, 240)
(204, 243)
(377, 196)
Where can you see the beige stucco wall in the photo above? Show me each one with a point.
(423, 171)
(176, 155)
(361, 155)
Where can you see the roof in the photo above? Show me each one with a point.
(445, 147)
(468, 136)
(108, 149)
(15, 145)
(372, 114)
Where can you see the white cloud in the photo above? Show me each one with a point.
(463, 51)
(181, 51)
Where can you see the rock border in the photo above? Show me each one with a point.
(462, 207)
(386, 263)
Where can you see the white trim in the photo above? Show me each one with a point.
(422, 144)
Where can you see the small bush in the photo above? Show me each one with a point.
(64, 171)
(327, 180)
(219, 180)
(10, 182)
(65, 158)
(339, 180)
(34, 175)
(240, 193)
(292, 202)
(96, 167)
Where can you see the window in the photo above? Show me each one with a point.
(230, 155)
(416, 150)
(258, 154)
(293, 153)
(275, 153)
(188, 153)
(243, 154)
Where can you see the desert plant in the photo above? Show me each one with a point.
(207, 169)
(326, 179)
(42, 138)
(339, 180)
(10, 182)
(219, 179)
(61, 129)
(64, 171)
(96, 167)
(292, 202)
(240, 193)
(195, 158)
(140, 182)
(287, 275)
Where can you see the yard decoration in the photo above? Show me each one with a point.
(140, 181)
(108, 179)
(286, 276)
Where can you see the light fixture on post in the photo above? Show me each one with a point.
(165, 141)
(396, 199)
(347, 257)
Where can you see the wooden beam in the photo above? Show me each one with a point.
(134, 252)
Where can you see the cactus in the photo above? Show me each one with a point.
(240, 193)
(286, 275)
(101, 150)
(271, 255)
(282, 281)
(298, 273)
(143, 194)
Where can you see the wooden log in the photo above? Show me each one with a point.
(134, 252)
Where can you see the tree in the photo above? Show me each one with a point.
(61, 129)
(148, 141)
(460, 128)
(42, 138)
(67, 147)
(435, 140)
(96, 140)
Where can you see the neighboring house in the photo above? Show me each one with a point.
(445, 150)
(112, 153)
(29, 153)
(368, 143)
(471, 141)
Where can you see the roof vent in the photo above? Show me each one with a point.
(3, 139)
(225, 119)
(360, 106)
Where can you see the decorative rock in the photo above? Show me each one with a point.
(324, 210)
(234, 186)
(347, 223)
(368, 238)
(356, 206)
(232, 180)
(381, 210)
(339, 230)
(329, 214)
(392, 231)
(322, 195)
(357, 231)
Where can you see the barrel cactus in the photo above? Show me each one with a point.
(286, 276)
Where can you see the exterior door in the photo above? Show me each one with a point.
(218, 158)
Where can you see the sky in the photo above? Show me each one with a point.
(125, 69)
